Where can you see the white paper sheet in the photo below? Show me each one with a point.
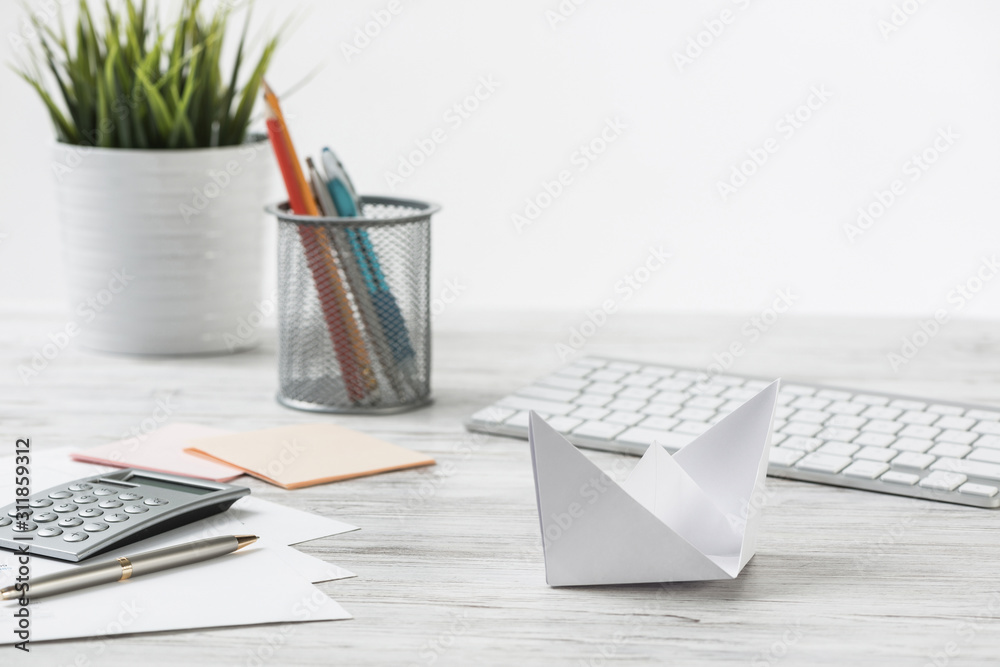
(686, 517)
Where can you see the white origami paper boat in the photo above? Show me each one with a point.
(692, 516)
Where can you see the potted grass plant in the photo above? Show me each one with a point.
(160, 184)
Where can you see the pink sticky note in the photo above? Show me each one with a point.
(163, 451)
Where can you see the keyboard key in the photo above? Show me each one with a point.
(919, 445)
(871, 399)
(919, 418)
(640, 381)
(942, 481)
(875, 454)
(603, 388)
(728, 380)
(536, 404)
(638, 393)
(823, 463)
(945, 409)
(599, 430)
(708, 402)
(879, 426)
(627, 405)
(845, 408)
(913, 460)
(841, 434)
(659, 409)
(810, 403)
(647, 436)
(877, 412)
(564, 424)
(960, 437)
(520, 419)
(834, 394)
(810, 416)
(561, 382)
(915, 431)
(957, 423)
(493, 415)
(798, 390)
(985, 415)
(874, 440)
(838, 448)
(707, 389)
(627, 418)
(672, 397)
(846, 421)
(991, 427)
(626, 366)
(595, 400)
(736, 394)
(984, 490)
(757, 385)
(781, 456)
(801, 428)
(697, 376)
(951, 450)
(692, 428)
(606, 376)
(672, 384)
(777, 438)
(971, 468)
(984, 454)
(695, 414)
(659, 423)
(904, 478)
(865, 469)
(784, 399)
(906, 404)
(588, 412)
(992, 441)
(802, 443)
(783, 412)
(659, 371)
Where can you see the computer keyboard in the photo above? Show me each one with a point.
(937, 450)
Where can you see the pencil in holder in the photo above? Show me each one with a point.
(354, 308)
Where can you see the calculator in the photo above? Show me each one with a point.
(80, 519)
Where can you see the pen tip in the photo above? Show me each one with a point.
(245, 540)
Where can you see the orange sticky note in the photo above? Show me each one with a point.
(296, 456)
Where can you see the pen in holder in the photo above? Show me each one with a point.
(354, 308)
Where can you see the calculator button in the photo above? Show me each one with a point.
(23, 512)
(129, 496)
(70, 522)
(91, 513)
(118, 517)
(46, 517)
(109, 504)
(155, 502)
(96, 527)
(23, 526)
(80, 487)
(135, 509)
(104, 491)
(50, 531)
(5, 521)
(40, 502)
(85, 500)
(76, 537)
(65, 507)
(60, 495)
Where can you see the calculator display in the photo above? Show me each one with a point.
(173, 486)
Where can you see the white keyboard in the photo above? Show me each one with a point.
(907, 446)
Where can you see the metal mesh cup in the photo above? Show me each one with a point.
(354, 308)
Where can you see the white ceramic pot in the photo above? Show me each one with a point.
(164, 248)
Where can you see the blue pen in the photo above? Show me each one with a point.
(347, 203)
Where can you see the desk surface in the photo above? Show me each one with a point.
(449, 558)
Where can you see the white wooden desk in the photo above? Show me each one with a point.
(449, 559)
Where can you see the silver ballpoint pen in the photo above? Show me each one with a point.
(123, 568)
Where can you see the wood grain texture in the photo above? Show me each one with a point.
(449, 559)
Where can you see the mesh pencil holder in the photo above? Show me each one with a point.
(354, 308)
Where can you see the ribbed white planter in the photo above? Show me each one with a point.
(164, 248)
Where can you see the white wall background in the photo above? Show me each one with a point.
(657, 184)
